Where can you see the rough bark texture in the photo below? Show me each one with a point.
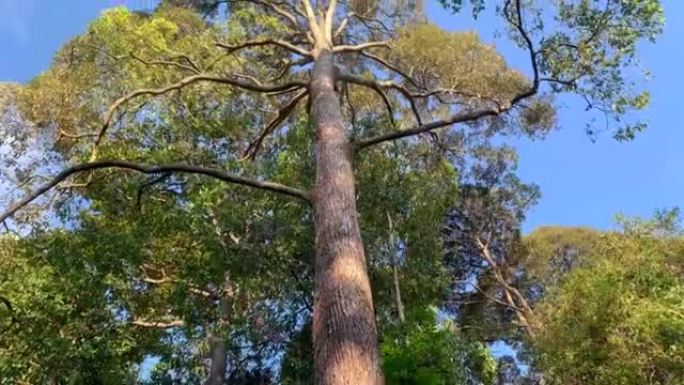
(344, 330)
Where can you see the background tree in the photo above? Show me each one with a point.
(618, 318)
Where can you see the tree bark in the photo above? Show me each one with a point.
(344, 330)
(217, 341)
(218, 365)
(395, 272)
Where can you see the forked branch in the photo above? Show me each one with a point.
(515, 18)
(282, 114)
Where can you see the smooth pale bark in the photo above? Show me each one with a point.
(344, 330)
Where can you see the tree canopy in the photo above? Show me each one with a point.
(321, 192)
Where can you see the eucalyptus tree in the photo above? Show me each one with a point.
(279, 54)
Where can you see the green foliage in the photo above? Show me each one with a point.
(421, 352)
(620, 319)
(221, 260)
(63, 329)
(588, 48)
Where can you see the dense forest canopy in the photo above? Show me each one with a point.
(321, 192)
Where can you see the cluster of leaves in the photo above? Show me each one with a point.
(422, 352)
(61, 329)
(620, 318)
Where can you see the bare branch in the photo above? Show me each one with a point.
(496, 300)
(360, 47)
(313, 23)
(518, 24)
(462, 117)
(147, 185)
(343, 25)
(282, 114)
(234, 81)
(158, 324)
(287, 15)
(378, 86)
(192, 67)
(329, 18)
(154, 169)
(263, 42)
(157, 281)
(391, 67)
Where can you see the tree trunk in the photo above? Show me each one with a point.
(217, 341)
(344, 330)
(395, 272)
(217, 355)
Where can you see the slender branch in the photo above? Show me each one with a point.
(192, 68)
(342, 26)
(496, 300)
(263, 42)
(454, 119)
(282, 114)
(234, 81)
(378, 86)
(285, 14)
(158, 324)
(147, 185)
(157, 281)
(391, 67)
(518, 24)
(378, 89)
(154, 169)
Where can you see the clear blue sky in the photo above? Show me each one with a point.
(583, 183)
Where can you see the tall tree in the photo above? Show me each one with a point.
(292, 51)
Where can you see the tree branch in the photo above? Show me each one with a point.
(154, 169)
(283, 113)
(378, 86)
(360, 47)
(192, 67)
(469, 116)
(313, 23)
(329, 18)
(262, 42)
(10, 309)
(235, 81)
(158, 324)
(454, 119)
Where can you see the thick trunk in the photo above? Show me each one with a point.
(344, 331)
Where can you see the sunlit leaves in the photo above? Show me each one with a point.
(619, 318)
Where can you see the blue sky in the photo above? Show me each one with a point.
(583, 183)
